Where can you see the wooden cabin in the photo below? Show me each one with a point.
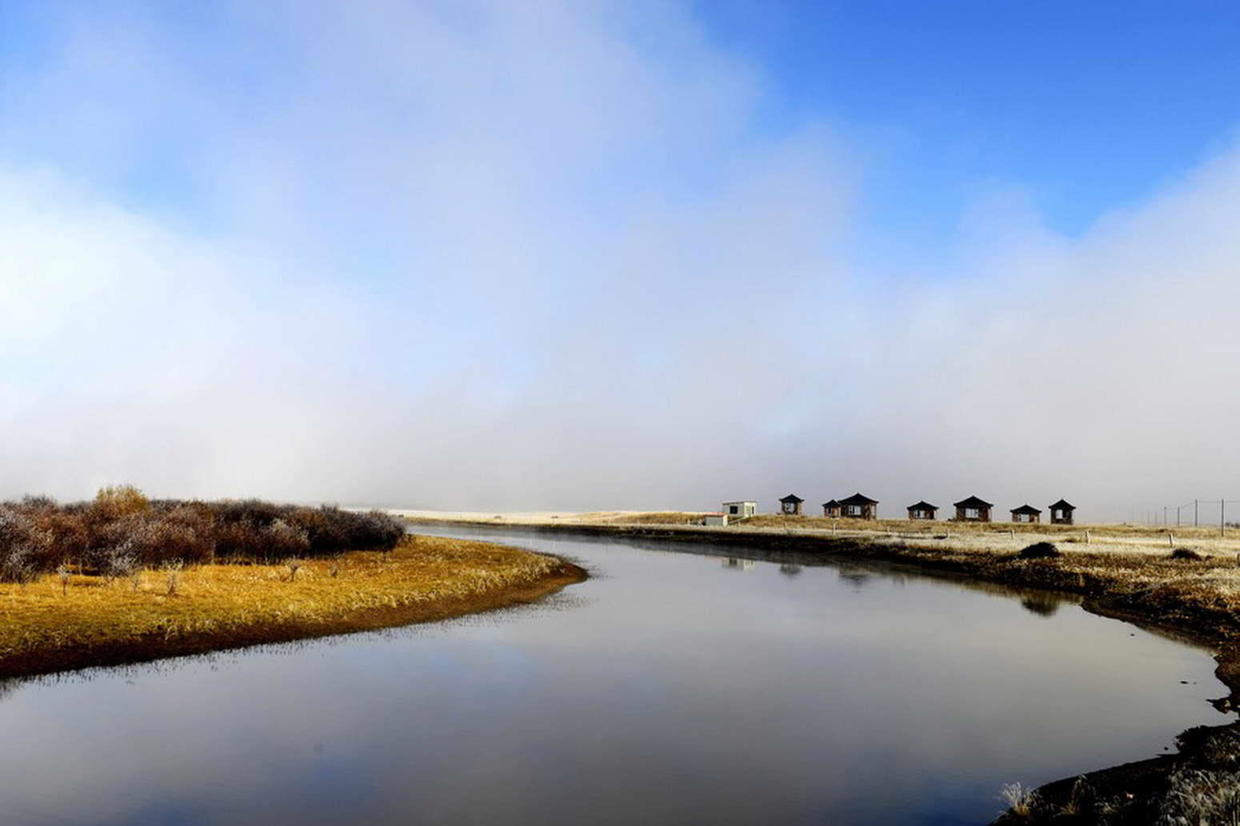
(831, 509)
(1061, 512)
(923, 510)
(1026, 514)
(859, 507)
(973, 509)
(790, 505)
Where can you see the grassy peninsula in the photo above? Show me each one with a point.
(123, 579)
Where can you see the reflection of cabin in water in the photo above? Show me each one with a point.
(973, 509)
(1061, 512)
(739, 564)
(1026, 514)
(740, 510)
(831, 509)
(859, 507)
(790, 505)
(923, 510)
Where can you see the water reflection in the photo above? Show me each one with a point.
(665, 690)
(855, 577)
(1041, 604)
(734, 564)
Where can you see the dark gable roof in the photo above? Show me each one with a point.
(792, 497)
(973, 502)
(831, 504)
(1064, 504)
(1029, 509)
(923, 505)
(858, 499)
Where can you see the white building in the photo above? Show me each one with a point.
(739, 510)
(718, 520)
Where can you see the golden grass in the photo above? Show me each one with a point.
(46, 627)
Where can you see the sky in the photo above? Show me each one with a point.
(612, 255)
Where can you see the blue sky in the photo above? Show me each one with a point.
(557, 254)
(1086, 106)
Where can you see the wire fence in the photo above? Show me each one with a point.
(1193, 513)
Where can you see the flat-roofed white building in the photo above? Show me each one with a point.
(741, 509)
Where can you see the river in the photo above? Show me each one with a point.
(673, 687)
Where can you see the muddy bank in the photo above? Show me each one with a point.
(1194, 599)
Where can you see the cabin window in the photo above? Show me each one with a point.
(970, 513)
(733, 509)
(854, 510)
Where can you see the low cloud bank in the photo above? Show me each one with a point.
(486, 260)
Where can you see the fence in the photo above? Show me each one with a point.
(1198, 512)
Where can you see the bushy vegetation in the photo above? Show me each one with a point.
(121, 530)
(1186, 554)
(1040, 550)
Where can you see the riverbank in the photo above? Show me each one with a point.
(69, 620)
(1194, 596)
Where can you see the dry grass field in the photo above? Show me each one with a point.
(67, 620)
(989, 536)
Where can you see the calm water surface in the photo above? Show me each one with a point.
(672, 688)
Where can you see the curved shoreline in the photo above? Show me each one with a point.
(368, 611)
(1152, 592)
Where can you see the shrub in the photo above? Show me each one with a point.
(120, 563)
(1021, 801)
(284, 540)
(1040, 550)
(121, 500)
(121, 531)
(1186, 554)
(16, 566)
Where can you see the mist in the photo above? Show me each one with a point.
(462, 256)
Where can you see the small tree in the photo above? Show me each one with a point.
(115, 501)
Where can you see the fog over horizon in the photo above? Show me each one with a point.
(464, 257)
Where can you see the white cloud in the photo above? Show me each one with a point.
(463, 256)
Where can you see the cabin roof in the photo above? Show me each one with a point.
(831, 504)
(1026, 508)
(923, 505)
(1064, 505)
(792, 497)
(858, 499)
(742, 502)
(973, 502)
